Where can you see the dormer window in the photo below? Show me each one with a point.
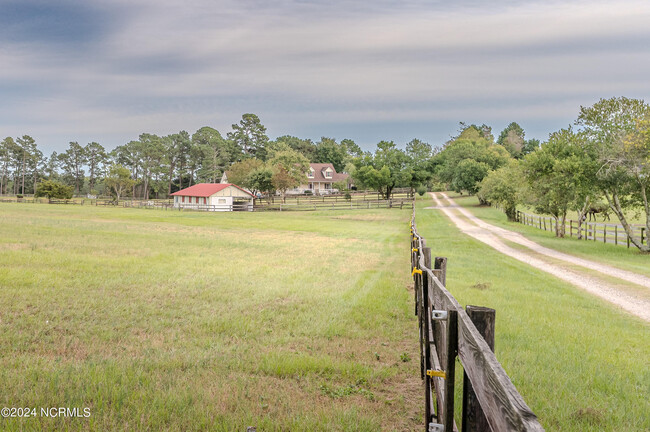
(328, 173)
(310, 174)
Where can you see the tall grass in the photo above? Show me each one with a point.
(192, 321)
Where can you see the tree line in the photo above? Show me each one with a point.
(600, 161)
(157, 165)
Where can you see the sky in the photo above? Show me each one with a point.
(109, 70)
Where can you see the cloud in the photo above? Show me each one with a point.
(315, 67)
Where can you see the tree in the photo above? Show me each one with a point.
(27, 148)
(52, 166)
(250, 136)
(95, 157)
(470, 144)
(72, 162)
(261, 180)
(239, 172)
(386, 169)
(512, 138)
(421, 169)
(303, 146)
(149, 148)
(468, 175)
(559, 176)
(289, 170)
(53, 189)
(8, 148)
(505, 187)
(176, 147)
(616, 130)
(329, 151)
(351, 147)
(530, 146)
(119, 180)
(217, 153)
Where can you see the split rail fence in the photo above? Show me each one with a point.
(490, 400)
(592, 231)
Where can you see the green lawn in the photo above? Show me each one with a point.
(580, 363)
(191, 321)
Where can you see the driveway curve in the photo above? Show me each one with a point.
(495, 237)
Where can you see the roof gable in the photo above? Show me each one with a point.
(206, 189)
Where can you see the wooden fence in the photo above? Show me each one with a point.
(336, 205)
(490, 400)
(592, 231)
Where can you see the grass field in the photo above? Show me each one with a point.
(191, 321)
(580, 363)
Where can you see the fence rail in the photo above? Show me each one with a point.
(337, 205)
(490, 400)
(592, 231)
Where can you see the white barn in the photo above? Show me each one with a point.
(214, 197)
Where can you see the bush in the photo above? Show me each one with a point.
(308, 192)
(348, 197)
(53, 189)
(421, 190)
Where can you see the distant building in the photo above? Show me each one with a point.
(320, 180)
(214, 197)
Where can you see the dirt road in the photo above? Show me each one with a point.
(564, 266)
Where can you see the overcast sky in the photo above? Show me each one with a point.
(108, 70)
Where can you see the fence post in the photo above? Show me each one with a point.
(450, 379)
(441, 264)
(473, 417)
(426, 316)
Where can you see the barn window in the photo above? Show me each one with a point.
(204, 201)
(222, 200)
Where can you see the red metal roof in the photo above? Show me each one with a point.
(206, 189)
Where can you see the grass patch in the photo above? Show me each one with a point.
(580, 363)
(162, 320)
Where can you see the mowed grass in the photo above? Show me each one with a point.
(192, 321)
(618, 256)
(580, 363)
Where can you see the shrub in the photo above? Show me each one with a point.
(348, 197)
(53, 189)
(421, 190)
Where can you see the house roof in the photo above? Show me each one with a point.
(319, 173)
(206, 189)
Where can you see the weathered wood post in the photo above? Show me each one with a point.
(450, 368)
(426, 316)
(441, 264)
(473, 417)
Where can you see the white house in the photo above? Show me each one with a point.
(214, 197)
(320, 179)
